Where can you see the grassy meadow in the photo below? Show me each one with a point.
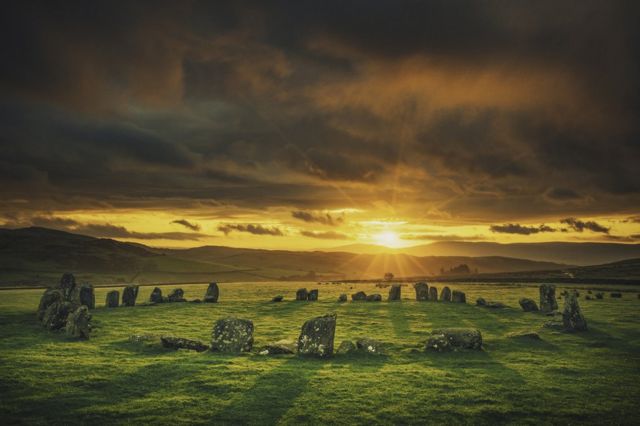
(587, 378)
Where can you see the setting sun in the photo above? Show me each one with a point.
(388, 239)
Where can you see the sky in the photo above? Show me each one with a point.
(310, 124)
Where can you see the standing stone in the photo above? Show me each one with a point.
(453, 339)
(156, 295)
(458, 297)
(302, 294)
(342, 298)
(433, 293)
(422, 291)
(113, 299)
(56, 309)
(572, 318)
(394, 292)
(49, 297)
(129, 295)
(313, 295)
(316, 337)
(528, 305)
(176, 295)
(67, 285)
(359, 296)
(445, 296)
(79, 323)
(87, 296)
(374, 298)
(212, 294)
(232, 335)
(548, 300)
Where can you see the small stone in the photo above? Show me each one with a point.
(600, 295)
(572, 317)
(129, 295)
(495, 305)
(524, 335)
(370, 346)
(278, 298)
(232, 335)
(313, 295)
(176, 295)
(422, 291)
(281, 347)
(156, 295)
(79, 323)
(302, 294)
(113, 299)
(342, 298)
(454, 339)
(374, 297)
(433, 294)
(445, 296)
(528, 305)
(170, 342)
(346, 347)
(359, 296)
(458, 297)
(316, 336)
(481, 302)
(395, 292)
(548, 300)
(212, 294)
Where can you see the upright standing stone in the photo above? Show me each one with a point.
(572, 318)
(67, 285)
(302, 294)
(129, 295)
(87, 296)
(433, 293)
(458, 297)
(176, 295)
(548, 300)
(212, 294)
(156, 295)
(394, 292)
(56, 309)
(79, 323)
(422, 291)
(359, 296)
(232, 335)
(445, 296)
(316, 337)
(313, 295)
(528, 305)
(113, 299)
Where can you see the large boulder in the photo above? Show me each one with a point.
(171, 342)
(374, 297)
(55, 309)
(572, 318)
(79, 323)
(176, 295)
(370, 346)
(113, 299)
(458, 297)
(156, 295)
(232, 335)
(433, 293)
(528, 305)
(395, 292)
(313, 295)
(212, 294)
(445, 295)
(316, 336)
(454, 339)
(302, 294)
(87, 296)
(359, 296)
(422, 291)
(548, 300)
(129, 295)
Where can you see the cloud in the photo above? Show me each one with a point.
(323, 218)
(514, 228)
(440, 237)
(579, 225)
(251, 229)
(187, 224)
(328, 235)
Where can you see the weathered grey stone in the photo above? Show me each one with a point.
(548, 300)
(572, 318)
(313, 295)
(616, 295)
(346, 347)
(445, 295)
(277, 298)
(374, 297)
(599, 295)
(422, 291)
(212, 294)
(395, 292)
(342, 297)
(156, 295)
(79, 323)
(454, 339)
(433, 293)
(370, 346)
(281, 347)
(67, 285)
(50, 296)
(232, 335)
(54, 309)
(458, 297)
(113, 299)
(528, 305)
(302, 294)
(129, 295)
(481, 302)
(171, 342)
(87, 296)
(359, 296)
(316, 337)
(176, 295)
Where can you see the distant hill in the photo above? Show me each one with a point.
(558, 252)
(39, 255)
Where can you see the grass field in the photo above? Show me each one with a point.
(592, 377)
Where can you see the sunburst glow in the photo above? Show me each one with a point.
(388, 239)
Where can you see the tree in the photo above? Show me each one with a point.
(388, 276)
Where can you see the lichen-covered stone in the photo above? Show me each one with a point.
(302, 294)
(56, 309)
(87, 296)
(79, 323)
(572, 318)
(548, 300)
(528, 305)
(342, 298)
(129, 295)
(316, 336)
(445, 295)
(281, 347)
(370, 346)
(422, 291)
(346, 347)
(171, 342)
(113, 299)
(395, 292)
(359, 296)
(313, 295)
(458, 296)
(212, 294)
(50, 296)
(156, 295)
(433, 293)
(454, 339)
(374, 297)
(232, 335)
(176, 295)
(277, 298)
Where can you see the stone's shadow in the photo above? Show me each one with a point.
(600, 339)
(398, 317)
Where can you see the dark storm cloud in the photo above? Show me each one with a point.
(515, 228)
(187, 224)
(251, 229)
(323, 218)
(325, 235)
(580, 226)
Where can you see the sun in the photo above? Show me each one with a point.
(388, 239)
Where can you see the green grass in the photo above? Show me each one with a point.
(591, 377)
